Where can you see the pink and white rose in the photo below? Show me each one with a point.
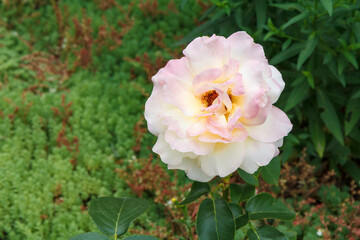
(212, 110)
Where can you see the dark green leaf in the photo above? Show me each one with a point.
(356, 94)
(352, 115)
(309, 78)
(239, 193)
(329, 116)
(353, 170)
(266, 232)
(249, 178)
(351, 58)
(356, 29)
(328, 5)
(286, 44)
(264, 205)
(288, 53)
(115, 214)
(240, 218)
(318, 137)
(295, 19)
(197, 190)
(90, 236)
(260, 10)
(288, 6)
(307, 51)
(215, 220)
(271, 172)
(141, 237)
(297, 95)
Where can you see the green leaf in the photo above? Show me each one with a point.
(328, 5)
(239, 193)
(295, 19)
(141, 237)
(271, 172)
(308, 50)
(260, 10)
(288, 53)
(352, 115)
(264, 205)
(197, 190)
(318, 137)
(297, 95)
(265, 232)
(309, 78)
(215, 220)
(288, 6)
(240, 218)
(353, 170)
(356, 29)
(90, 236)
(114, 215)
(351, 58)
(249, 178)
(286, 44)
(329, 116)
(356, 94)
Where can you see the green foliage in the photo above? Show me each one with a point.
(113, 215)
(266, 233)
(197, 190)
(90, 236)
(50, 172)
(215, 220)
(315, 45)
(263, 205)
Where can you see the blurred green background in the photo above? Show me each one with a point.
(74, 77)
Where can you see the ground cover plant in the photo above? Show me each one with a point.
(74, 77)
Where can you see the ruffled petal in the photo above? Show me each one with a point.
(224, 160)
(207, 52)
(168, 155)
(152, 114)
(190, 144)
(192, 170)
(178, 95)
(257, 154)
(176, 70)
(276, 84)
(244, 49)
(276, 126)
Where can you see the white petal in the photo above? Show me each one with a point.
(224, 160)
(154, 107)
(168, 155)
(276, 126)
(244, 49)
(257, 154)
(192, 169)
(276, 84)
(207, 52)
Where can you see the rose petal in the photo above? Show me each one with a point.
(190, 144)
(276, 84)
(168, 155)
(192, 170)
(244, 49)
(207, 52)
(152, 114)
(224, 160)
(276, 126)
(257, 154)
(176, 70)
(201, 82)
(177, 94)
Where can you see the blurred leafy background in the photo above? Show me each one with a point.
(74, 77)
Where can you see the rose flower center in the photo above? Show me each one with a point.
(209, 97)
